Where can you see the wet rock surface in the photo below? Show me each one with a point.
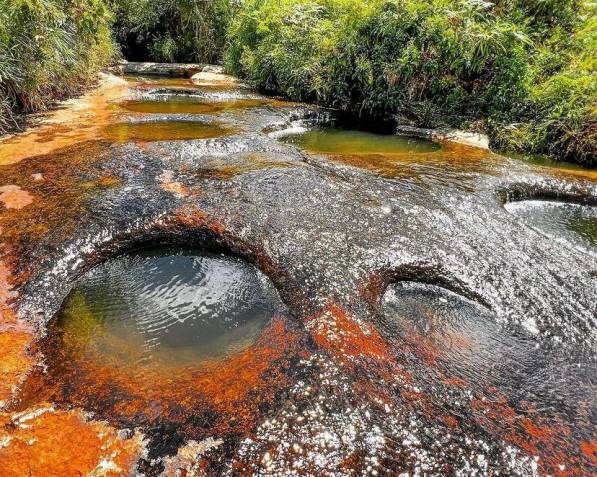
(409, 290)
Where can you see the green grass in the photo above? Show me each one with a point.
(522, 71)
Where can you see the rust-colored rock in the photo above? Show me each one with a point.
(44, 442)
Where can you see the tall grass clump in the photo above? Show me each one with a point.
(49, 49)
(559, 117)
(430, 62)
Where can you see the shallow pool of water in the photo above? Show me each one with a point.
(392, 156)
(166, 307)
(189, 104)
(181, 343)
(163, 131)
(465, 342)
(346, 141)
(574, 223)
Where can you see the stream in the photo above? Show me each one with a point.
(257, 289)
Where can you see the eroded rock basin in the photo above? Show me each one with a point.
(172, 340)
(570, 222)
(376, 309)
(163, 131)
(350, 142)
(166, 307)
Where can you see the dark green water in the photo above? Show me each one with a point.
(346, 141)
(545, 161)
(167, 306)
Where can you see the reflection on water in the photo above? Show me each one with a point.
(345, 141)
(545, 161)
(189, 104)
(167, 307)
(467, 343)
(560, 220)
(181, 343)
(400, 157)
(163, 131)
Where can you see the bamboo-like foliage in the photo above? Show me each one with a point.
(173, 30)
(519, 70)
(49, 49)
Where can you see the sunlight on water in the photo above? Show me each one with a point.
(464, 339)
(344, 141)
(163, 131)
(188, 104)
(573, 222)
(167, 306)
(400, 157)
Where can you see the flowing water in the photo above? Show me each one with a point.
(189, 104)
(386, 305)
(162, 131)
(470, 345)
(165, 307)
(574, 223)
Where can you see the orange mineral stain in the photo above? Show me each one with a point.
(345, 338)
(15, 362)
(219, 398)
(49, 443)
(75, 121)
(15, 338)
(589, 449)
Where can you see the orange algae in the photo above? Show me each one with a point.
(15, 361)
(345, 338)
(589, 449)
(56, 181)
(536, 437)
(215, 398)
(15, 338)
(335, 332)
(77, 120)
(44, 442)
(163, 131)
(454, 163)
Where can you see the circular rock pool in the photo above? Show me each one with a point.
(166, 307)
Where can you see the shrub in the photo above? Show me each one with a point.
(522, 70)
(560, 118)
(431, 62)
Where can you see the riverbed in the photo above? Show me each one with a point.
(198, 278)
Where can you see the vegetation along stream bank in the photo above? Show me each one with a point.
(522, 72)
